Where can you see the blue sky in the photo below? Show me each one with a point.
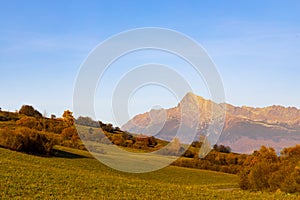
(254, 44)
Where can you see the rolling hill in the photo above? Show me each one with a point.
(74, 174)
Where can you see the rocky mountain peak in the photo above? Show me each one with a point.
(245, 128)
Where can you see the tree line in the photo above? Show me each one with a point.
(29, 131)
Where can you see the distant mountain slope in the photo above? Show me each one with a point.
(245, 129)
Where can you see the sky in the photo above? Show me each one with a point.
(255, 46)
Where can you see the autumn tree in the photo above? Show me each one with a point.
(30, 111)
(68, 133)
(117, 139)
(108, 127)
(263, 170)
(292, 153)
(30, 122)
(68, 118)
(222, 148)
(26, 140)
(87, 121)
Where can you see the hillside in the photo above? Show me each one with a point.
(29, 132)
(75, 175)
(245, 128)
(61, 155)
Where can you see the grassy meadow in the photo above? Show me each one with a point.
(75, 174)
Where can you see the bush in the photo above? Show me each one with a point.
(26, 140)
(87, 121)
(30, 122)
(259, 176)
(69, 133)
(30, 111)
(8, 116)
(57, 129)
(189, 154)
(118, 139)
(144, 141)
(265, 171)
(243, 178)
(222, 148)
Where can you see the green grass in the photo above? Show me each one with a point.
(76, 175)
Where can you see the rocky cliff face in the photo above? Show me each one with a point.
(245, 128)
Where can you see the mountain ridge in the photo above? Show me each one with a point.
(245, 128)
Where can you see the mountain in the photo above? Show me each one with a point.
(245, 128)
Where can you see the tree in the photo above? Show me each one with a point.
(222, 148)
(263, 170)
(260, 174)
(26, 140)
(30, 111)
(196, 144)
(68, 118)
(87, 121)
(117, 139)
(141, 141)
(267, 154)
(108, 127)
(189, 154)
(292, 153)
(68, 133)
(30, 122)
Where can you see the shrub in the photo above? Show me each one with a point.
(107, 127)
(87, 121)
(244, 181)
(29, 122)
(6, 137)
(8, 116)
(259, 176)
(26, 140)
(222, 148)
(189, 154)
(30, 111)
(118, 139)
(68, 118)
(68, 133)
(265, 171)
(57, 129)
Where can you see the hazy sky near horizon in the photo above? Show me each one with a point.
(254, 44)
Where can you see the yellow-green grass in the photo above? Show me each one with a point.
(76, 175)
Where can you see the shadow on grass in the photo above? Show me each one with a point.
(53, 153)
(64, 154)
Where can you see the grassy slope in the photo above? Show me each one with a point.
(71, 177)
